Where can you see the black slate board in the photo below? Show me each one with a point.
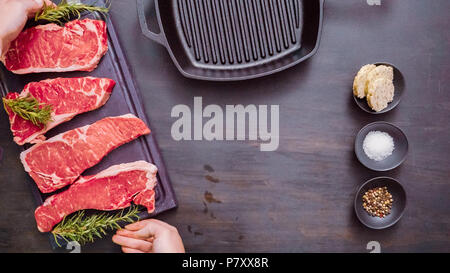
(125, 98)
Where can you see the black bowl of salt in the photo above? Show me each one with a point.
(381, 146)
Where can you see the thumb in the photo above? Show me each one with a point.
(146, 229)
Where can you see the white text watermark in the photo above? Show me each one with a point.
(228, 124)
(374, 2)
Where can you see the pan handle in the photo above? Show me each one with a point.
(157, 37)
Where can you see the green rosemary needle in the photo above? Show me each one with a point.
(29, 108)
(65, 10)
(84, 229)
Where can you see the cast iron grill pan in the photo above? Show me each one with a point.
(236, 39)
(125, 98)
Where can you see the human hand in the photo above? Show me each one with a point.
(149, 236)
(13, 17)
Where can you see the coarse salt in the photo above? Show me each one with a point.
(378, 145)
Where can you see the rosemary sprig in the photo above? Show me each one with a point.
(84, 229)
(29, 108)
(65, 10)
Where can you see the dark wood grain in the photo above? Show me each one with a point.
(300, 197)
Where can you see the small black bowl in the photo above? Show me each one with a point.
(400, 146)
(399, 85)
(398, 204)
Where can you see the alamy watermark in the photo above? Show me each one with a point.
(374, 247)
(228, 124)
(374, 2)
(74, 246)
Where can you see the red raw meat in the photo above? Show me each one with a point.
(78, 46)
(60, 160)
(111, 189)
(68, 98)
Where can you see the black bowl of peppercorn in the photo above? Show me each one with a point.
(380, 202)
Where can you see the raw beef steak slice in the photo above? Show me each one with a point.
(78, 46)
(60, 160)
(111, 189)
(68, 98)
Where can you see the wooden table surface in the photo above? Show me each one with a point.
(298, 198)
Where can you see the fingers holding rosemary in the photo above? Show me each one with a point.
(65, 10)
(163, 237)
(34, 6)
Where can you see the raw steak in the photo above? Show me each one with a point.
(68, 98)
(111, 189)
(60, 160)
(78, 46)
